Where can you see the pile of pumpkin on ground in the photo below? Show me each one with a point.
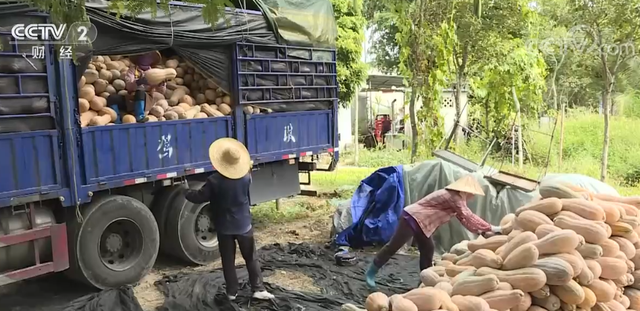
(189, 94)
(568, 250)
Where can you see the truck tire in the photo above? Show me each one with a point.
(127, 239)
(189, 232)
(161, 206)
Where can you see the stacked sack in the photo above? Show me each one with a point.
(567, 250)
(189, 94)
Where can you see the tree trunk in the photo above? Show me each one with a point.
(460, 77)
(562, 112)
(414, 125)
(486, 117)
(519, 122)
(606, 95)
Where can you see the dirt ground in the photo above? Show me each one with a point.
(309, 230)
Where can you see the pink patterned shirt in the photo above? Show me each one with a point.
(437, 208)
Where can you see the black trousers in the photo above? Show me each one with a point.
(401, 236)
(247, 245)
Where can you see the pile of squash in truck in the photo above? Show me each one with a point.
(189, 94)
(569, 250)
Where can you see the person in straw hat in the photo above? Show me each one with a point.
(421, 219)
(227, 191)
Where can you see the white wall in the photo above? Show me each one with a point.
(447, 111)
(344, 127)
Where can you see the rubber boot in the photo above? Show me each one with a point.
(114, 101)
(370, 276)
(139, 103)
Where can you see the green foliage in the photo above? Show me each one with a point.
(351, 70)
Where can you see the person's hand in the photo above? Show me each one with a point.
(487, 234)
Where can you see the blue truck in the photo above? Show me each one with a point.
(101, 203)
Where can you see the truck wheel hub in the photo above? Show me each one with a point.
(113, 242)
(203, 223)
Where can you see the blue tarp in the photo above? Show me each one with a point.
(375, 208)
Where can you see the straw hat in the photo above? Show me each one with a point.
(466, 184)
(154, 58)
(230, 157)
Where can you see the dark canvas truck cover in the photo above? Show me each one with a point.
(47, 155)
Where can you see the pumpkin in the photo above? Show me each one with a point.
(517, 241)
(454, 270)
(602, 290)
(609, 248)
(615, 306)
(558, 271)
(625, 246)
(491, 243)
(445, 286)
(542, 292)
(552, 190)
(620, 229)
(426, 299)
(571, 293)
(634, 298)
(583, 208)
(525, 279)
(91, 76)
(591, 251)
(524, 305)
(594, 267)
(612, 268)
(482, 258)
(475, 285)
(402, 304)
(575, 262)
(530, 220)
(547, 207)
(592, 234)
(86, 117)
(377, 302)
(557, 242)
(550, 302)
(544, 230)
(589, 299)
(524, 256)
(429, 277)
(469, 303)
(504, 286)
(439, 270)
(503, 300)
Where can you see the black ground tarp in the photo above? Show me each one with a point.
(205, 291)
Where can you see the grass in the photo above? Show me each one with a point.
(581, 154)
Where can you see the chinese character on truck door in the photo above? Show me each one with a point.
(288, 134)
(164, 147)
(37, 52)
(65, 52)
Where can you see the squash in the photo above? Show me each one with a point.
(575, 262)
(440, 271)
(592, 234)
(594, 267)
(629, 209)
(100, 120)
(524, 256)
(87, 92)
(429, 277)
(602, 290)
(620, 229)
(502, 299)
(589, 299)
(525, 279)
(504, 286)
(172, 63)
(426, 299)
(583, 208)
(557, 242)
(634, 221)
(536, 308)
(83, 105)
(178, 94)
(530, 220)
(446, 256)
(469, 303)
(615, 306)
(625, 302)
(626, 247)
(482, 258)
(454, 270)
(612, 268)
(517, 241)
(609, 248)
(591, 251)
(377, 302)
(634, 297)
(524, 304)
(401, 304)
(225, 109)
(611, 212)
(462, 276)
(463, 256)
(571, 293)
(542, 292)
(544, 230)
(192, 112)
(350, 307)
(491, 243)
(551, 302)
(100, 86)
(558, 271)
(549, 189)
(547, 207)
(86, 117)
(599, 306)
(445, 286)
(127, 119)
(91, 76)
(475, 285)
(98, 103)
(156, 76)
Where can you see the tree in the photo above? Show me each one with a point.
(351, 70)
(610, 31)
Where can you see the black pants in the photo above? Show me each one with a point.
(402, 235)
(247, 245)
